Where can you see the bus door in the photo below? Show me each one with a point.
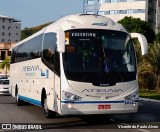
(57, 93)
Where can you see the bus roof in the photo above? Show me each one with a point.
(89, 21)
(79, 21)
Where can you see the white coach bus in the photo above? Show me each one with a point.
(82, 64)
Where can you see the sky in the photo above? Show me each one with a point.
(36, 12)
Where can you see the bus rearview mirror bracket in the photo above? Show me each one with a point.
(143, 42)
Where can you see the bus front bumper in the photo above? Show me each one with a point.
(95, 107)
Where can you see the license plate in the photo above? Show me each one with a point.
(104, 107)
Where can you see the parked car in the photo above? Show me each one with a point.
(4, 87)
(4, 76)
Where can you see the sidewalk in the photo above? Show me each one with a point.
(150, 100)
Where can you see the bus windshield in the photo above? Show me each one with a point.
(99, 56)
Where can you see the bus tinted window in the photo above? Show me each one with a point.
(28, 50)
(49, 47)
(99, 56)
(13, 55)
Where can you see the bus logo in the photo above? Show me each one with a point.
(30, 68)
(30, 71)
(103, 90)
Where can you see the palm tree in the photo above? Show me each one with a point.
(147, 77)
(151, 64)
(5, 65)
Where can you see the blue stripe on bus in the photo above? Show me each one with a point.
(93, 102)
(32, 101)
(36, 102)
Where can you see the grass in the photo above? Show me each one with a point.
(151, 94)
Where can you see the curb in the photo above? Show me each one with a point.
(149, 100)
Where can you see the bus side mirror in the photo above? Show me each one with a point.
(60, 41)
(143, 42)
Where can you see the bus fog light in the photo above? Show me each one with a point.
(70, 96)
(132, 96)
(69, 106)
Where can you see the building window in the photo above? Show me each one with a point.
(90, 2)
(89, 12)
(9, 53)
(9, 34)
(141, 10)
(113, 1)
(130, 0)
(9, 27)
(108, 1)
(17, 34)
(2, 40)
(112, 12)
(10, 20)
(101, 13)
(3, 20)
(3, 33)
(3, 27)
(9, 40)
(129, 11)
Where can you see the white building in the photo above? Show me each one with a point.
(147, 10)
(10, 30)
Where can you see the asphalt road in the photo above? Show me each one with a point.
(148, 115)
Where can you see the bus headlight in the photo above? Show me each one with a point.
(70, 96)
(132, 96)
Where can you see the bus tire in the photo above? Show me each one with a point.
(48, 113)
(18, 101)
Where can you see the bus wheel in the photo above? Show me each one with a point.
(18, 101)
(48, 113)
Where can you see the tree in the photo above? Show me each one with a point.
(146, 76)
(157, 39)
(137, 25)
(5, 64)
(29, 31)
(149, 67)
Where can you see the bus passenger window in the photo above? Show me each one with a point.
(49, 48)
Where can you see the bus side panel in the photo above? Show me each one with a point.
(37, 85)
(17, 80)
(44, 79)
(13, 72)
(31, 77)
